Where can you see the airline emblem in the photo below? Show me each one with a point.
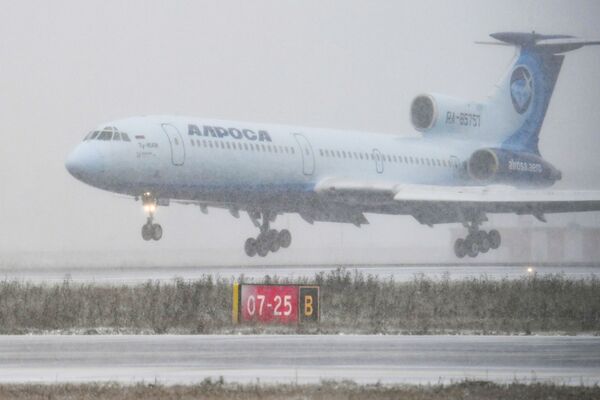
(521, 89)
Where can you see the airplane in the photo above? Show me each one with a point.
(472, 159)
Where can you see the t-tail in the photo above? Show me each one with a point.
(508, 123)
(523, 96)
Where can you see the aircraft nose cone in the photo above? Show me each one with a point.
(85, 163)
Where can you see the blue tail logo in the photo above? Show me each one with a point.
(528, 87)
(521, 89)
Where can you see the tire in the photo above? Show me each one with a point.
(495, 239)
(459, 248)
(250, 247)
(471, 246)
(483, 241)
(272, 239)
(262, 251)
(146, 232)
(285, 238)
(262, 245)
(157, 232)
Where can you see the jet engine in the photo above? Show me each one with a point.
(435, 113)
(494, 165)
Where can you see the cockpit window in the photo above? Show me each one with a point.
(105, 135)
(91, 135)
(108, 133)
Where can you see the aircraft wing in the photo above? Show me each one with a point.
(431, 204)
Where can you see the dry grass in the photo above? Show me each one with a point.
(326, 390)
(350, 302)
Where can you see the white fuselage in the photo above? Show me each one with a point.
(247, 164)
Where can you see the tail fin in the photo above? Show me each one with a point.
(518, 106)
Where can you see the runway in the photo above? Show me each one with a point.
(405, 272)
(303, 359)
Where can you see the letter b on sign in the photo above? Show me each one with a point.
(309, 304)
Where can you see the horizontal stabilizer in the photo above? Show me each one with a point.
(552, 44)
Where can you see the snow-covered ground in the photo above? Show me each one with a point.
(140, 274)
(173, 359)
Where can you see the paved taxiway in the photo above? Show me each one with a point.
(133, 274)
(304, 359)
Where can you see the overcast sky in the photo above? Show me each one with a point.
(67, 66)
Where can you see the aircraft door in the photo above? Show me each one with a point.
(308, 156)
(378, 161)
(176, 144)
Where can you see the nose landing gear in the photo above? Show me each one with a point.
(268, 240)
(150, 230)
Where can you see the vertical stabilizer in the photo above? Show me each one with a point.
(518, 106)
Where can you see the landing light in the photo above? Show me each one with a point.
(530, 270)
(150, 208)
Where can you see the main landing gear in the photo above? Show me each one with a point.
(150, 230)
(268, 240)
(477, 241)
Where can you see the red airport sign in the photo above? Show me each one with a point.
(282, 304)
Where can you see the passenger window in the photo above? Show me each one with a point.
(228, 145)
(176, 141)
(338, 154)
(105, 135)
(395, 159)
(245, 146)
(210, 144)
(274, 149)
(321, 153)
(269, 148)
(193, 143)
(344, 154)
(361, 156)
(292, 150)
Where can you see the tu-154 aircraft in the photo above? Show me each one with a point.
(472, 159)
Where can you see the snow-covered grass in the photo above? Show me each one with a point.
(326, 390)
(350, 303)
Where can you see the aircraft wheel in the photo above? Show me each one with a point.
(285, 238)
(471, 246)
(272, 240)
(483, 242)
(459, 248)
(147, 232)
(495, 239)
(263, 245)
(251, 247)
(156, 231)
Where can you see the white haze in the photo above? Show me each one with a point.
(67, 66)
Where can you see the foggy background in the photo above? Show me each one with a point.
(68, 66)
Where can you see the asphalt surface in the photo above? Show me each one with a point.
(133, 274)
(304, 359)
